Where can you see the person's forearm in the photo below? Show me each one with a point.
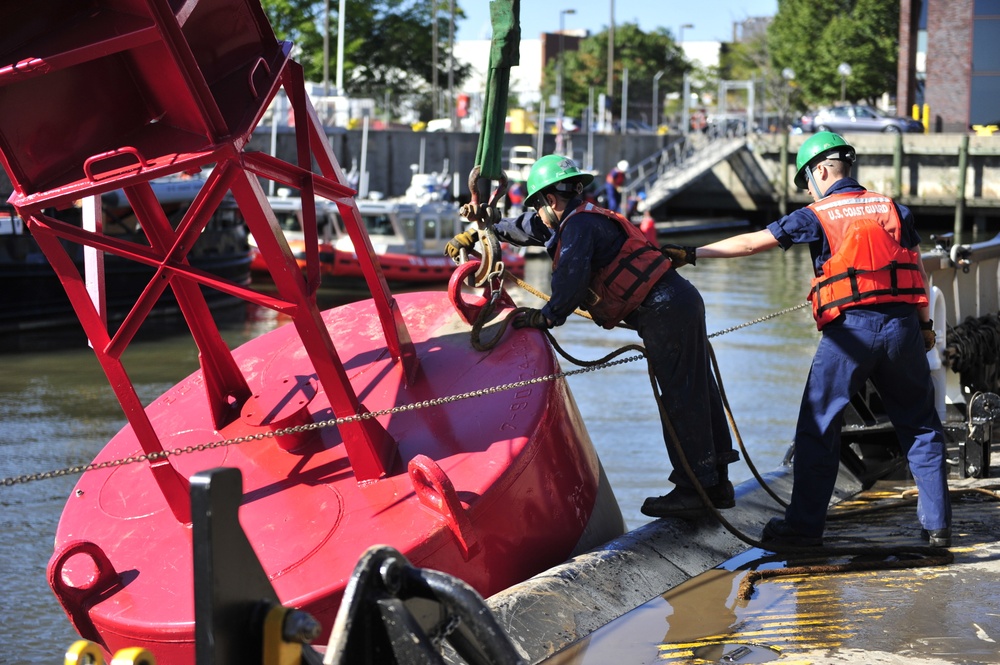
(744, 244)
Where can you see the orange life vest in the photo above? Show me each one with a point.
(867, 263)
(621, 286)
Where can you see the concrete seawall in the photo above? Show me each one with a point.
(923, 170)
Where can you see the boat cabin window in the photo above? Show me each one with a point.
(334, 220)
(378, 225)
(431, 232)
(408, 227)
(288, 220)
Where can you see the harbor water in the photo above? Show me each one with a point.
(57, 410)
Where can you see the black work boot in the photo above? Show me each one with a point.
(686, 503)
(722, 494)
(937, 537)
(778, 533)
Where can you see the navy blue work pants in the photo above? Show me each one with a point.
(671, 323)
(882, 343)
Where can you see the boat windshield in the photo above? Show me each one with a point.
(379, 224)
(288, 220)
(431, 232)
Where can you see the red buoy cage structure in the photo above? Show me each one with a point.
(100, 95)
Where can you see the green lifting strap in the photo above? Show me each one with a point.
(504, 15)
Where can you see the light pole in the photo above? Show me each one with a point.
(341, 19)
(453, 114)
(789, 75)
(680, 43)
(435, 97)
(680, 34)
(326, 49)
(844, 70)
(656, 99)
(611, 68)
(559, 79)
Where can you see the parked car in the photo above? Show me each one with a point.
(569, 125)
(858, 118)
(445, 125)
(631, 127)
(636, 127)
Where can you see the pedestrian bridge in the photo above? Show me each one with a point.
(670, 170)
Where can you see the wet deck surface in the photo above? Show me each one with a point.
(943, 614)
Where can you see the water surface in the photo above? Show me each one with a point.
(57, 410)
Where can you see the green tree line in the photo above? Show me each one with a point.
(388, 47)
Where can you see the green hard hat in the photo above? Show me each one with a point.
(820, 146)
(552, 169)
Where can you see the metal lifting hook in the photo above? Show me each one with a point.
(479, 190)
(485, 215)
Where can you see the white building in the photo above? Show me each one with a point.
(526, 77)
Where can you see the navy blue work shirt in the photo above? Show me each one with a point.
(803, 226)
(589, 241)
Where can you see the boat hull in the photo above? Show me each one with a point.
(492, 488)
(341, 269)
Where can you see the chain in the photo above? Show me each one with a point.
(759, 320)
(441, 632)
(438, 401)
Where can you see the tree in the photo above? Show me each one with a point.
(299, 22)
(814, 39)
(643, 54)
(867, 40)
(752, 59)
(388, 44)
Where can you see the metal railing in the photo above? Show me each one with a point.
(968, 274)
(677, 154)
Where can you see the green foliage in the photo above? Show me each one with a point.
(300, 22)
(388, 44)
(813, 39)
(643, 54)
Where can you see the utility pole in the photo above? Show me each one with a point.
(340, 48)
(656, 88)
(451, 67)
(559, 80)
(435, 95)
(611, 68)
(326, 49)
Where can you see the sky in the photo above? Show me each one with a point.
(712, 19)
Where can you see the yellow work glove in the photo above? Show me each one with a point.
(465, 240)
(930, 337)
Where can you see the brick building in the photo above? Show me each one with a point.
(949, 60)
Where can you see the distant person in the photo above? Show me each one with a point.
(648, 228)
(699, 121)
(614, 182)
(870, 301)
(602, 263)
(515, 197)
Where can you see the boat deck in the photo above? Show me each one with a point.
(944, 614)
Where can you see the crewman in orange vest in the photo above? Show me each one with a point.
(870, 302)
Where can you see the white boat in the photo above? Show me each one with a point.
(408, 239)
